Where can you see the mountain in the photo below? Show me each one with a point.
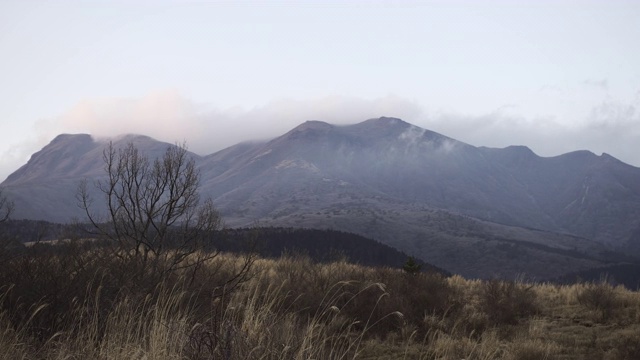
(472, 210)
(384, 159)
(45, 188)
(592, 196)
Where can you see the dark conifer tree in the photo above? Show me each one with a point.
(411, 266)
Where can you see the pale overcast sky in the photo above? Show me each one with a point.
(556, 76)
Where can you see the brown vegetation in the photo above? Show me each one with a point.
(67, 301)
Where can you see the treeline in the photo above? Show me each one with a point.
(36, 230)
(322, 246)
(319, 245)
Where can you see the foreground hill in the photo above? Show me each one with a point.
(268, 242)
(471, 210)
(294, 308)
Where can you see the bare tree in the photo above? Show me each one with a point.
(7, 245)
(6, 207)
(154, 213)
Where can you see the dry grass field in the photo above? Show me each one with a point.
(74, 303)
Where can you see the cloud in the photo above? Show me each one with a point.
(615, 116)
(614, 127)
(501, 129)
(167, 116)
(610, 126)
(604, 126)
(161, 114)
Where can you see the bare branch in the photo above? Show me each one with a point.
(154, 213)
(6, 207)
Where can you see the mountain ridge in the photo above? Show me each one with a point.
(387, 179)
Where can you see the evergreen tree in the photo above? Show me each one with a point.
(411, 266)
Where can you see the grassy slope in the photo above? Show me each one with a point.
(294, 308)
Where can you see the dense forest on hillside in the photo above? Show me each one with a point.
(318, 245)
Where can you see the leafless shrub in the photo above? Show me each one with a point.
(505, 302)
(600, 297)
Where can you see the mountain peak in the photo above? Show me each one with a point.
(127, 138)
(63, 151)
(64, 138)
(308, 129)
(520, 152)
(386, 121)
(391, 130)
(380, 127)
(71, 155)
(520, 149)
(608, 158)
(313, 125)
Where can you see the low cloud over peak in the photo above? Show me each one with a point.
(168, 116)
(611, 127)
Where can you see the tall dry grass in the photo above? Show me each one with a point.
(261, 319)
(292, 308)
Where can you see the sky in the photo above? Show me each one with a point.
(556, 76)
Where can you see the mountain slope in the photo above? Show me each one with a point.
(384, 158)
(588, 195)
(387, 159)
(475, 211)
(45, 187)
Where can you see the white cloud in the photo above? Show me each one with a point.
(611, 127)
(168, 116)
(158, 114)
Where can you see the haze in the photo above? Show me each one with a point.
(555, 76)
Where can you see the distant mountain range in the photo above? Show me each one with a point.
(476, 211)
